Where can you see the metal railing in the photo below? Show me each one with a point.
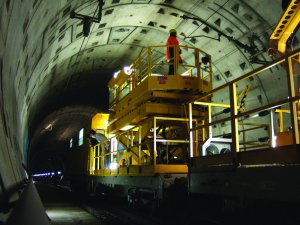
(152, 62)
(147, 151)
(233, 118)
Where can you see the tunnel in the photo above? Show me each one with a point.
(57, 58)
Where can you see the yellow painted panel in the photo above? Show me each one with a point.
(139, 94)
(173, 83)
(98, 172)
(114, 172)
(100, 121)
(170, 169)
(171, 95)
(123, 170)
(92, 161)
(134, 170)
(107, 172)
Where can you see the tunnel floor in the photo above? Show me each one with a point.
(64, 207)
(61, 208)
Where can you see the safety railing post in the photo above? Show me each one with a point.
(272, 129)
(197, 63)
(154, 142)
(131, 142)
(140, 147)
(234, 123)
(191, 131)
(102, 157)
(209, 111)
(210, 73)
(293, 106)
(94, 158)
(127, 148)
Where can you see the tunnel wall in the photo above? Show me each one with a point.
(12, 172)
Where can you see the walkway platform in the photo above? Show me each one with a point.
(62, 209)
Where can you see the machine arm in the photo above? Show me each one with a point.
(286, 28)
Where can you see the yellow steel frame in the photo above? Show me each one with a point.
(243, 131)
(140, 98)
(281, 122)
(143, 67)
(234, 117)
(247, 145)
(97, 167)
(134, 106)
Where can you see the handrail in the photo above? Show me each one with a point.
(236, 117)
(98, 153)
(244, 131)
(281, 122)
(146, 65)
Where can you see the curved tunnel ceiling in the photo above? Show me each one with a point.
(55, 66)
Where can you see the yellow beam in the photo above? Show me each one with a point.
(287, 25)
(213, 104)
(170, 169)
(283, 111)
